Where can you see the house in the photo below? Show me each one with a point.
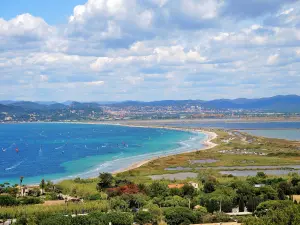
(24, 191)
(296, 198)
(172, 186)
(259, 185)
(195, 185)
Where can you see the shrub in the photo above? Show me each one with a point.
(7, 200)
(143, 217)
(30, 201)
(179, 215)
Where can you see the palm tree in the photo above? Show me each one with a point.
(42, 186)
(21, 180)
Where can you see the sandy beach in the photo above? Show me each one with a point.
(207, 143)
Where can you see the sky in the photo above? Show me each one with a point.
(116, 50)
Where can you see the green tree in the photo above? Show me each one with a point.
(261, 175)
(118, 203)
(143, 217)
(209, 187)
(157, 189)
(175, 201)
(188, 190)
(179, 215)
(118, 218)
(106, 181)
(42, 186)
(241, 204)
(285, 187)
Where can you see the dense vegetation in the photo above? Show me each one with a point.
(120, 201)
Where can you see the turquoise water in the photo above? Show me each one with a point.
(59, 151)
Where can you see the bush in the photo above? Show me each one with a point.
(179, 215)
(95, 197)
(143, 217)
(55, 220)
(216, 218)
(7, 200)
(118, 218)
(209, 187)
(30, 201)
(157, 189)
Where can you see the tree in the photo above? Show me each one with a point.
(42, 186)
(281, 195)
(157, 189)
(268, 193)
(175, 201)
(119, 204)
(209, 187)
(106, 181)
(155, 211)
(179, 215)
(118, 218)
(143, 217)
(21, 181)
(241, 204)
(285, 187)
(188, 190)
(295, 180)
(261, 175)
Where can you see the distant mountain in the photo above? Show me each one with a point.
(28, 106)
(46, 102)
(6, 102)
(280, 103)
(10, 109)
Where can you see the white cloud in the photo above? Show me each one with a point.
(94, 83)
(176, 47)
(44, 78)
(25, 25)
(159, 55)
(287, 12)
(273, 59)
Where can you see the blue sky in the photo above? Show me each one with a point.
(100, 50)
(52, 11)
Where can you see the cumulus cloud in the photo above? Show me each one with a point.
(154, 49)
(173, 55)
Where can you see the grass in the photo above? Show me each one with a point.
(70, 208)
(82, 189)
(278, 153)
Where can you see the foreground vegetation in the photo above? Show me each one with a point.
(111, 199)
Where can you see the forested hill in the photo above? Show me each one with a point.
(280, 103)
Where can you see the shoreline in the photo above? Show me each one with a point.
(207, 144)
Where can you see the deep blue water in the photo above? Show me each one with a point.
(53, 151)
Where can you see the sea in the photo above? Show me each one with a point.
(57, 151)
(289, 130)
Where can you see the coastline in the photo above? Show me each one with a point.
(207, 143)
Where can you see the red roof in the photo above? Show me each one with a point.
(175, 186)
